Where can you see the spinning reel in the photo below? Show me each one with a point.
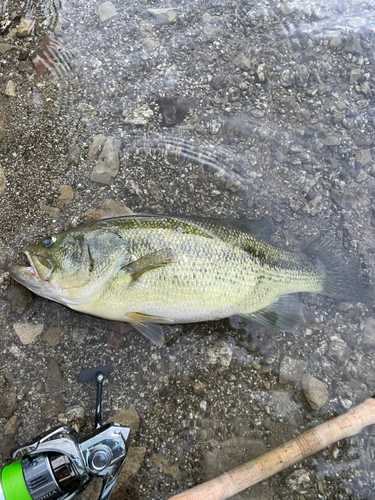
(61, 463)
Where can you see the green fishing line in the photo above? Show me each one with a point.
(13, 482)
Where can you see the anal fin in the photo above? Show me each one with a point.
(148, 326)
(285, 313)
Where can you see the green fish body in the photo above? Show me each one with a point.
(150, 270)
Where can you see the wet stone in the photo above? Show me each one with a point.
(5, 47)
(128, 417)
(363, 158)
(7, 395)
(66, 195)
(160, 462)
(242, 62)
(106, 11)
(261, 73)
(174, 109)
(95, 146)
(220, 354)
(286, 9)
(53, 408)
(154, 190)
(353, 45)
(302, 75)
(11, 427)
(166, 15)
(52, 335)
(109, 208)
(28, 333)
(232, 453)
(79, 335)
(5, 258)
(74, 156)
(133, 462)
(355, 75)
(369, 332)
(335, 42)
(220, 80)
(139, 116)
(10, 89)
(315, 391)
(25, 27)
(297, 479)
(332, 140)
(55, 378)
(19, 297)
(339, 349)
(7, 446)
(291, 370)
(53, 212)
(287, 78)
(108, 163)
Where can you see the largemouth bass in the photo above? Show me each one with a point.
(150, 270)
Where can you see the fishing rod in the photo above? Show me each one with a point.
(61, 463)
(274, 461)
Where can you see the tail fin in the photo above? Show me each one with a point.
(343, 280)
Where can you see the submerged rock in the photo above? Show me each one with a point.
(25, 27)
(106, 11)
(315, 391)
(166, 15)
(174, 109)
(291, 370)
(363, 158)
(242, 62)
(5, 47)
(140, 116)
(108, 209)
(108, 163)
(96, 146)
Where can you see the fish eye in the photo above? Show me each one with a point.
(48, 241)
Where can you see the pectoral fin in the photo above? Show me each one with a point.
(285, 313)
(148, 326)
(153, 260)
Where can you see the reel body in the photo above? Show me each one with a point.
(60, 464)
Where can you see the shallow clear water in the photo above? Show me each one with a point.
(240, 109)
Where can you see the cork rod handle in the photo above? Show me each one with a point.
(287, 454)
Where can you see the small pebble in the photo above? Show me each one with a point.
(66, 195)
(27, 333)
(106, 11)
(52, 335)
(242, 62)
(315, 391)
(25, 27)
(363, 157)
(10, 89)
(291, 370)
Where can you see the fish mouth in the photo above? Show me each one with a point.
(40, 267)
